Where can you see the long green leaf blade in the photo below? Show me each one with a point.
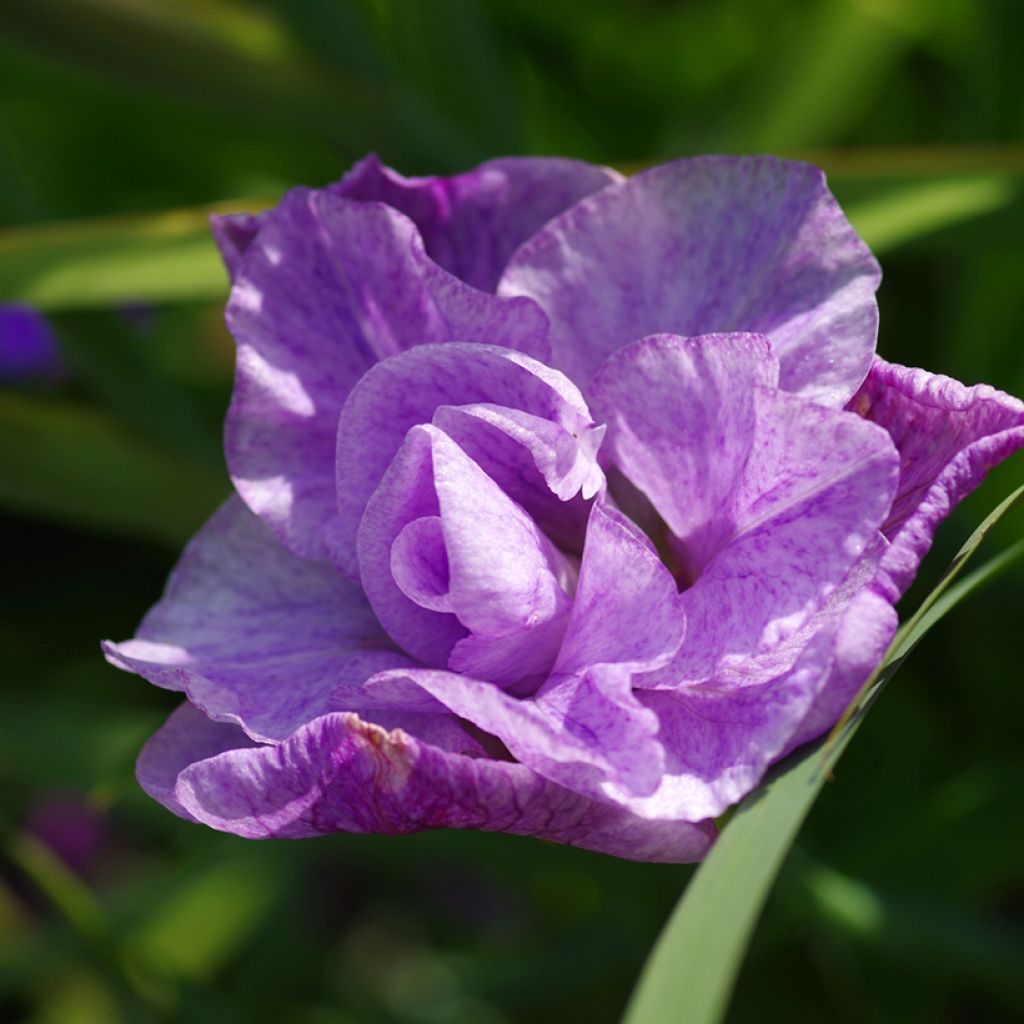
(111, 261)
(75, 465)
(690, 973)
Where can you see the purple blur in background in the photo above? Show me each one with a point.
(28, 347)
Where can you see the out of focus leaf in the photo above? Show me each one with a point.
(77, 466)
(228, 56)
(690, 973)
(116, 364)
(204, 919)
(912, 210)
(104, 262)
(903, 926)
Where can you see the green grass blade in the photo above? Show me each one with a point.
(690, 974)
(170, 256)
(912, 210)
(75, 465)
(111, 261)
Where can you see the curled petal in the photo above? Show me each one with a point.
(325, 289)
(252, 634)
(815, 489)
(948, 437)
(341, 774)
(681, 426)
(478, 587)
(708, 245)
(472, 223)
(585, 728)
(415, 387)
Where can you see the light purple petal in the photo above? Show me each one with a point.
(585, 727)
(474, 558)
(719, 741)
(681, 426)
(703, 246)
(472, 223)
(405, 496)
(627, 609)
(252, 634)
(341, 774)
(411, 389)
(815, 489)
(862, 636)
(186, 737)
(948, 437)
(326, 288)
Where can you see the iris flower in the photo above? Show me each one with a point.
(565, 504)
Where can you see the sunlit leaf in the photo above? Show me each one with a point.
(909, 211)
(203, 920)
(690, 973)
(155, 258)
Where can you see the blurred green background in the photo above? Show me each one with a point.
(120, 121)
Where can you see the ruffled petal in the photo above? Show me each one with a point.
(342, 774)
(415, 387)
(325, 289)
(948, 437)
(252, 634)
(475, 560)
(703, 246)
(815, 489)
(186, 737)
(681, 425)
(862, 636)
(471, 223)
(585, 728)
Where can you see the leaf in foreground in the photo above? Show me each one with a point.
(690, 973)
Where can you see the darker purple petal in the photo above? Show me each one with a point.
(340, 773)
(472, 223)
(948, 437)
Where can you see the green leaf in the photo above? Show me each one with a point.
(210, 913)
(78, 466)
(690, 973)
(909, 211)
(117, 260)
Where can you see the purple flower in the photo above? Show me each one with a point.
(28, 347)
(565, 504)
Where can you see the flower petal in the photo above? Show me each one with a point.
(709, 245)
(410, 389)
(326, 288)
(948, 437)
(585, 728)
(252, 634)
(234, 233)
(815, 489)
(493, 572)
(681, 425)
(472, 223)
(341, 774)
